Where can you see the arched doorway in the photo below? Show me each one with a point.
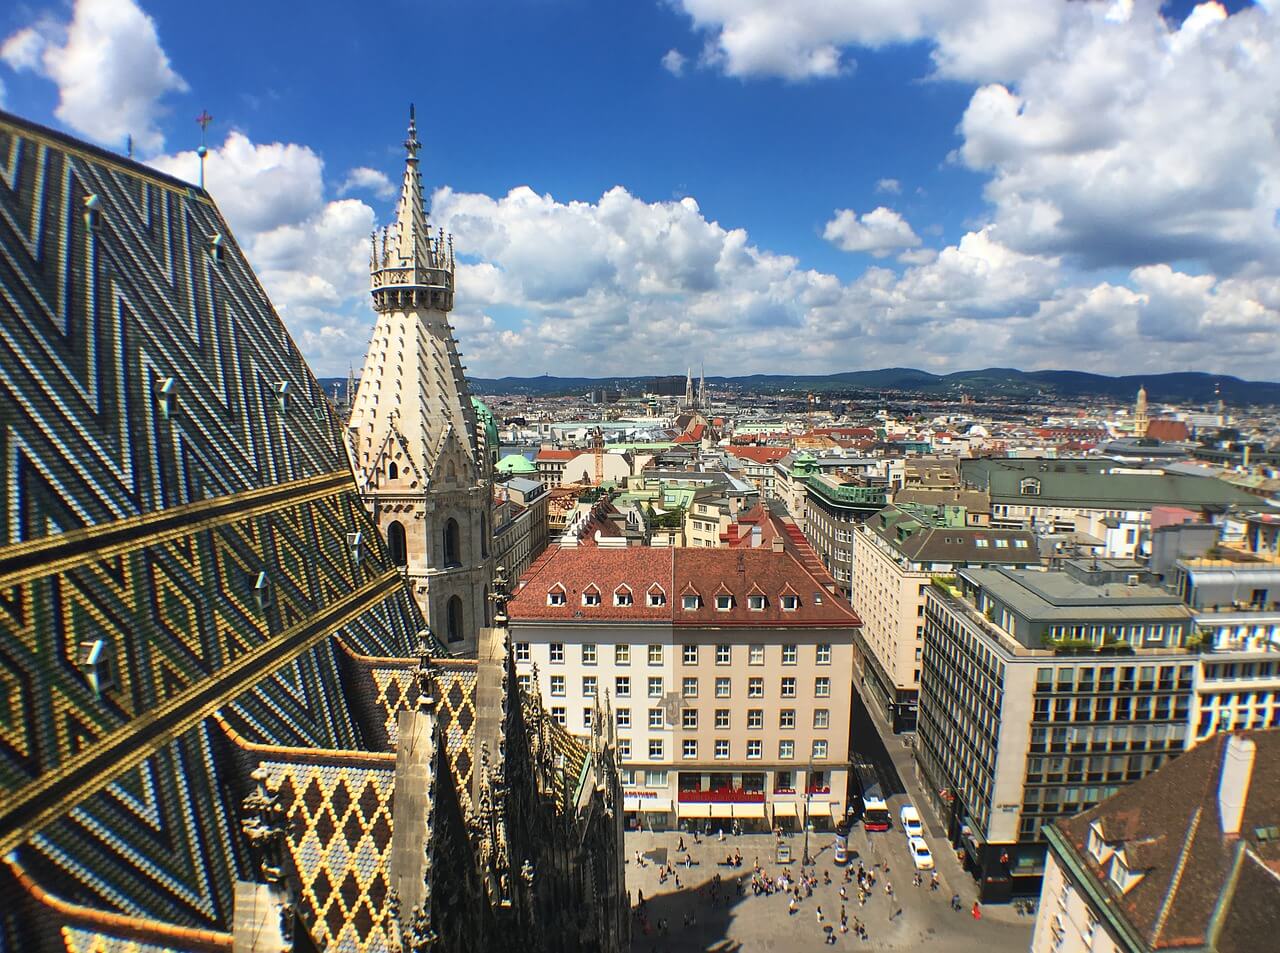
(454, 622)
(452, 544)
(395, 543)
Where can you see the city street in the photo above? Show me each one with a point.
(745, 922)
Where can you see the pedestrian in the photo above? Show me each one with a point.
(791, 906)
(844, 894)
(677, 876)
(977, 911)
(826, 878)
(955, 901)
(888, 889)
(680, 846)
(819, 912)
(933, 881)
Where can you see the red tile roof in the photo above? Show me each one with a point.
(759, 454)
(1172, 431)
(546, 453)
(705, 571)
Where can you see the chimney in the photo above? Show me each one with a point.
(777, 543)
(1233, 783)
(755, 537)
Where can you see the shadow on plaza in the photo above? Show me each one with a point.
(709, 930)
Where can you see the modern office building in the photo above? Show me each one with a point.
(896, 553)
(1183, 859)
(726, 671)
(1041, 694)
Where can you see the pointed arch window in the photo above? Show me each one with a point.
(453, 624)
(393, 471)
(452, 544)
(395, 543)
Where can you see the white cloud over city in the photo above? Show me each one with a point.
(1131, 171)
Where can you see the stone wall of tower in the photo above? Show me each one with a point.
(418, 455)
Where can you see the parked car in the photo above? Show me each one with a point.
(920, 855)
(911, 824)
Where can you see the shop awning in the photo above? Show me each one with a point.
(721, 810)
(819, 809)
(784, 808)
(693, 809)
(754, 809)
(651, 805)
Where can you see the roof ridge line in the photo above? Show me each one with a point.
(1184, 857)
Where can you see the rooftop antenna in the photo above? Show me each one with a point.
(203, 121)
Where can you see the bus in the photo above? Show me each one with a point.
(870, 803)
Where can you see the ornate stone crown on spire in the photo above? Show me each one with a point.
(409, 267)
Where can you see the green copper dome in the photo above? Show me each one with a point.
(516, 463)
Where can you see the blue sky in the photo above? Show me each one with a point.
(1040, 183)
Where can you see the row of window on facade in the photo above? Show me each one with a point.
(722, 750)
(689, 687)
(689, 654)
(784, 781)
(690, 602)
(690, 719)
(1108, 678)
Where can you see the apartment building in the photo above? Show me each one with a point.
(726, 672)
(1041, 694)
(1051, 493)
(896, 553)
(834, 505)
(1185, 858)
(520, 529)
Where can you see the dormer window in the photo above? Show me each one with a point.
(755, 603)
(689, 602)
(1121, 876)
(1029, 487)
(657, 597)
(1098, 846)
(790, 603)
(591, 597)
(724, 602)
(556, 597)
(622, 597)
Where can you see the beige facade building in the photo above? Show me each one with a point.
(896, 553)
(726, 672)
(415, 442)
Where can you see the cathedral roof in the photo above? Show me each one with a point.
(178, 514)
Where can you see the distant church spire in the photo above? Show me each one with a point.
(702, 385)
(688, 387)
(1140, 420)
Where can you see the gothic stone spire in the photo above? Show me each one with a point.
(412, 395)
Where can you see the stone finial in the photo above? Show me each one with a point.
(265, 825)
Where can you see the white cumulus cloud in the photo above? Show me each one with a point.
(673, 61)
(365, 179)
(889, 186)
(111, 72)
(880, 231)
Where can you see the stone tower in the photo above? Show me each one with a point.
(1140, 419)
(418, 456)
